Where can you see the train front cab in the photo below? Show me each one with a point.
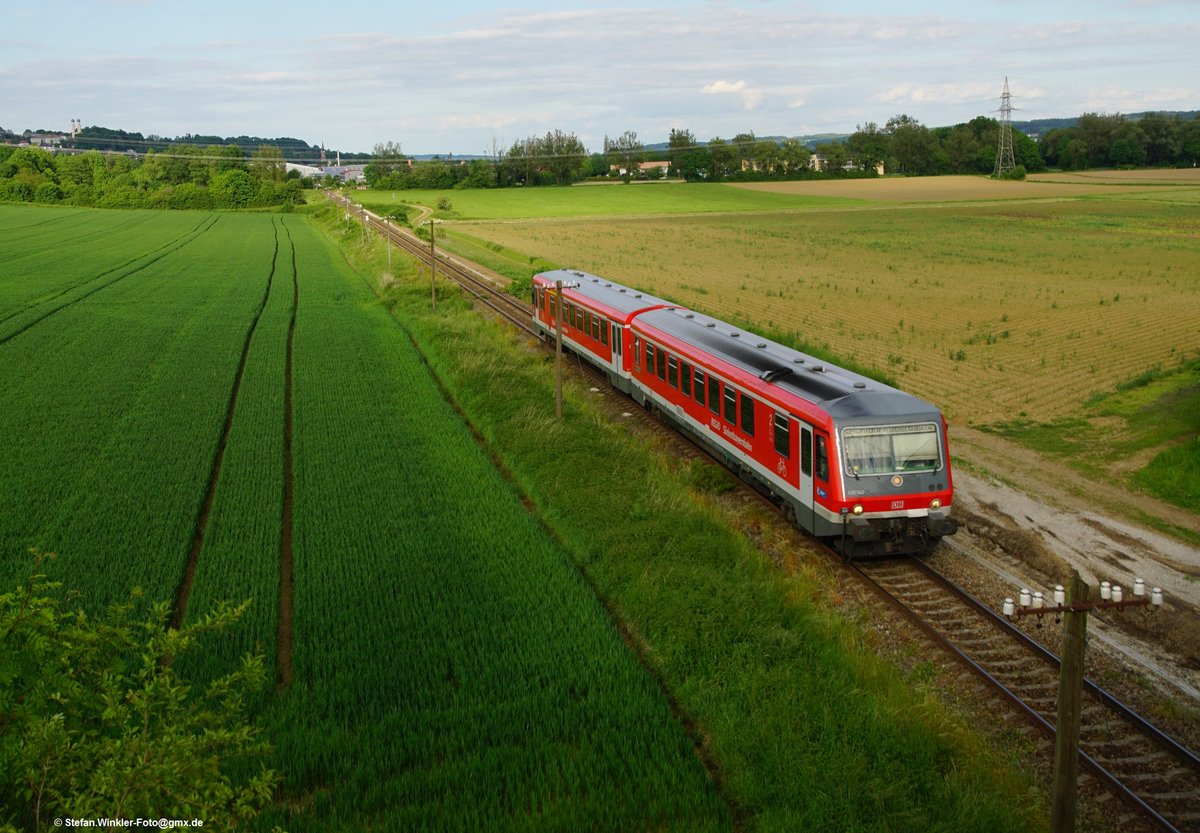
(783, 427)
(895, 485)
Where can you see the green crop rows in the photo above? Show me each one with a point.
(450, 668)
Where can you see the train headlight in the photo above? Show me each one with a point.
(936, 503)
(858, 509)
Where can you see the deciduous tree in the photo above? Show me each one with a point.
(626, 152)
(95, 721)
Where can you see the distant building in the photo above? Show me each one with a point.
(49, 141)
(818, 162)
(346, 173)
(305, 171)
(644, 168)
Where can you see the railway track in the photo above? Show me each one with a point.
(484, 291)
(1157, 778)
(1144, 779)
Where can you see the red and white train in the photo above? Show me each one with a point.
(849, 459)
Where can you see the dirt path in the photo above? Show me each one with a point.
(1044, 519)
(1063, 487)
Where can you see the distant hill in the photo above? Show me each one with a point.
(294, 150)
(1040, 127)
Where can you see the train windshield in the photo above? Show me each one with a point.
(891, 449)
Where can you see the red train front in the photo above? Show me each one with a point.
(851, 460)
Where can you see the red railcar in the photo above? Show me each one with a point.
(849, 459)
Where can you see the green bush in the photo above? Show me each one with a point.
(97, 721)
(12, 190)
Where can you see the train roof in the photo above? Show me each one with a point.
(842, 393)
(619, 298)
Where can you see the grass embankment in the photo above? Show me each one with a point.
(806, 727)
(1146, 430)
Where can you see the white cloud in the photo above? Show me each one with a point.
(939, 93)
(443, 82)
(751, 98)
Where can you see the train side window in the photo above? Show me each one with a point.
(685, 378)
(595, 333)
(822, 459)
(649, 358)
(672, 372)
(730, 405)
(783, 435)
(714, 395)
(604, 332)
(616, 338)
(660, 363)
(637, 352)
(698, 390)
(748, 415)
(806, 451)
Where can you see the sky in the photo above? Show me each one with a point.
(469, 77)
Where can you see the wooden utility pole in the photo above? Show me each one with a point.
(1070, 707)
(558, 318)
(432, 270)
(1073, 605)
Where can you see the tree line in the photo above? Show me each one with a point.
(902, 145)
(1099, 140)
(186, 177)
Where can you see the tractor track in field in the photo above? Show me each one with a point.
(77, 224)
(153, 257)
(284, 635)
(205, 510)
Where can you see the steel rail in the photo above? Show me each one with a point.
(1093, 766)
(484, 291)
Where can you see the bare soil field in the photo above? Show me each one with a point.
(997, 311)
(962, 188)
(1157, 176)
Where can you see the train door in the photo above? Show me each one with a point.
(615, 341)
(804, 512)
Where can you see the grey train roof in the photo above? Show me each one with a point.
(845, 394)
(614, 295)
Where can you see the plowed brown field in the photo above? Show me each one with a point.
(991, 310)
